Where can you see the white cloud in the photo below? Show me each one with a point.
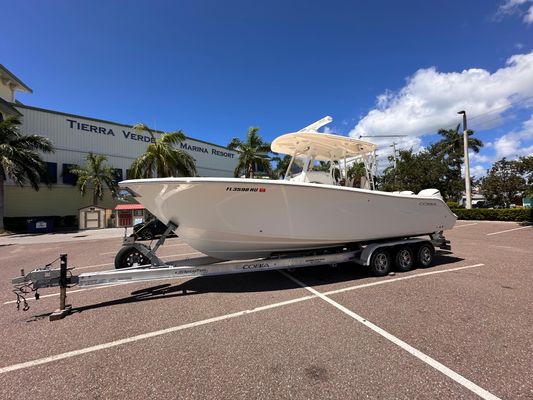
(515, 144)
(516, 7)
(478, 171)
(430, 99)
(476, 157)
(528, 18)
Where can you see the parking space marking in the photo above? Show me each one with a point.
(460, 226)
(509, 230)
(336, 291)
(144, 336)
(170, 255)
(148, 335)
(402, 278)
(165, 246)
(484, 394)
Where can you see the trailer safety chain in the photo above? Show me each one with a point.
(23, 289)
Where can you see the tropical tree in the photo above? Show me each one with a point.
(95, 175)
(281, 165)
(20, 158)
(416, 171)
(161, 158)
(504, 183)
(450, 150)
(355, 172)
(254, 151)
(525, 166)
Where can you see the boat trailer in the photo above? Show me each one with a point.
(136, 262)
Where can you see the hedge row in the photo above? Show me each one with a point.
(489, 214)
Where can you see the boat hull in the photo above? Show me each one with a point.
(239, 219)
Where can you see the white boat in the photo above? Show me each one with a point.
(233, 218)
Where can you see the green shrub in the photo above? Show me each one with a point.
(452, 204)
(489, 214)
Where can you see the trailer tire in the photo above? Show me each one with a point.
(425, 255)
(128, 256)
(380, 262)
(404, 259)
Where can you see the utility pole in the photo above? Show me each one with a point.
(467, 162)
(393, 143)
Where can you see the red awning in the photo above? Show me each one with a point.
(129, 207)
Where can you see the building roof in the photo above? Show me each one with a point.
(129, 207)
(8, 76)
(7, 109)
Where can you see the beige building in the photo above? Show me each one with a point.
(74, 137)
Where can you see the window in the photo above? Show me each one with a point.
(68, 177)
(50, 175)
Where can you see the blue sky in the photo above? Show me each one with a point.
(214, 68)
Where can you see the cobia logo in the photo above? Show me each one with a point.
(255, 266)
(427, 203)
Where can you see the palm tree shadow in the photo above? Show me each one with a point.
(264, 281)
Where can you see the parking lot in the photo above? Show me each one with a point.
(460, 329)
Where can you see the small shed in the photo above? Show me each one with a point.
(91, 217)
(129, 214)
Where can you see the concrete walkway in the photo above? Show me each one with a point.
(33, 238)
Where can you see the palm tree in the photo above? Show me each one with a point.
(19, 158)
(450, 146)
(161, 159)
(96, 175)
(281, 166)
(251, 152)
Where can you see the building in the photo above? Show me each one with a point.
(74, 136)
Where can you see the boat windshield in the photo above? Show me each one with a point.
(296, 167)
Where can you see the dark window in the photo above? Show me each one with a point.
(50, 173)
(1, 117)
(118, 174)
(128, 172)
(68, 177)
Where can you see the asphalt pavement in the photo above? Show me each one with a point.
(459, 329)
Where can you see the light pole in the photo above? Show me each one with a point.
(467, 163)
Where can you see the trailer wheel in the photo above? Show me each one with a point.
(128, 256)
(380, 263)
(425, 255)
(404, 259)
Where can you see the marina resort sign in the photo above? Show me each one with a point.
(128, 135)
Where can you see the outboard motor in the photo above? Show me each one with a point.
(430, 193)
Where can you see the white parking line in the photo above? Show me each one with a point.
(460, 226)
(484, 394)
(170, 255)
(165, 246)
(508, 230)
(402, 278)
(383, 281)
(148, 335)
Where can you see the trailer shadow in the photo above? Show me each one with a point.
(257, 282)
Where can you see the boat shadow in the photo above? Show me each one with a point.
(264, 281)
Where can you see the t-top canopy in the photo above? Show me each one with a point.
(320, 146)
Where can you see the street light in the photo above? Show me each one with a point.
(467, 163)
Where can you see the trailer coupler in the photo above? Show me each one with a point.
(42, 278)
